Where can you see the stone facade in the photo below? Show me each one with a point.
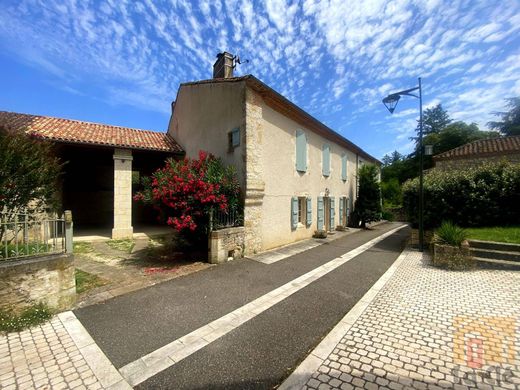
(471, 162)
(226, 243)
(122, 194)
(255, 185)
(48, 279)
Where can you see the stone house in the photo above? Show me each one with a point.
(102, 162)
(479, 152)
(297, 174)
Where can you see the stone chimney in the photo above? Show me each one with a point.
(223, 67)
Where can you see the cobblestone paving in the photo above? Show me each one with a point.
(43, 357)
(432, 329)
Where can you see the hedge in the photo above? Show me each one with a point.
(488, 195)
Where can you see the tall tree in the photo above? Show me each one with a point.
(368, 203)
(434, 120)
(510, 123)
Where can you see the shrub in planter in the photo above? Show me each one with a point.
(320, 234)
(450, 248)
(341, 228)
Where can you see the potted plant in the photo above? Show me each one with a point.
(320, 234)
(450, 247)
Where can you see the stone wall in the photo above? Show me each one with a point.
(462, 163)
(122, 194)
(49, 279)
(226, 243)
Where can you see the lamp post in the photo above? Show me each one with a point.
(390, 102)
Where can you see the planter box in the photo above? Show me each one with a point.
(226, 244)
(452, 257)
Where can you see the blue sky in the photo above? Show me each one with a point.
(120, 62)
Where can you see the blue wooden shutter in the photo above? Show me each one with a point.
(309, 211)
(326, 160)
(301, 151)
(321, 213)
(344, 167)
(341, 222)
(294, 212)
(348, 211)
(332, 213)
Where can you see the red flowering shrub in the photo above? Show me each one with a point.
(184, 191)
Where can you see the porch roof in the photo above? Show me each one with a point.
(79, 132)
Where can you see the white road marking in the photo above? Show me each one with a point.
(151, 364)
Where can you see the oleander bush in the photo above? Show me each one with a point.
(488, 195)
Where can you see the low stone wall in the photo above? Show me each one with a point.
(225, 244)
(49, 279)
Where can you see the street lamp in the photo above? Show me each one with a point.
(391, 102)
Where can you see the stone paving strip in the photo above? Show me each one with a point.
(421, 327)
(151, 364)
(59, 354)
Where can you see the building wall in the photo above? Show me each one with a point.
(476, 161)
(204, 114)
(282, 181)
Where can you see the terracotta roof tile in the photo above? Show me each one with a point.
(493, 146)
(73, 131)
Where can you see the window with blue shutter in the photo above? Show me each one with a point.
(332, 226)
(309, 211)
(321, 213)
(326, 160)
(344, 167)
(301, 151)
(294, 212)
(341, 204)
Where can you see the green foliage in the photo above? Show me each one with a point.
(28, 172)
(83, 247)
(510, 123)
(32, 316)
(487, 195)
(13, 250)
(509, 234)
(122, 245)
(435, 119)
(387, 215)
(391, 192)
(450, 234)
(368, 204)
(86, 281)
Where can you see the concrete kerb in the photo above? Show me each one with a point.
(102, 368)
(315, 359)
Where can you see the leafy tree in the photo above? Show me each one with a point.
(435, 119)
(391, 192)
(510, 123)
(28, 174)
(185, 191)
(367, 207)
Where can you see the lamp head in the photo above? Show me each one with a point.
(391, 101)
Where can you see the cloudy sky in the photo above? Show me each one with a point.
(121, 61)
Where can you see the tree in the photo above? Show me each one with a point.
(510, 124)
(185, 191)
(435, 119)
(28, 174)
(368, 203)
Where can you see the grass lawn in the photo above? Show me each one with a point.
(122, 245)
(510, 234)
(82, 247)
(86, 281)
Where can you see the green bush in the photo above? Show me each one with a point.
(488, 195)
(450, 234)
(32, 316)
(388, 215)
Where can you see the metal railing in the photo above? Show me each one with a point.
(32, 234)
(222, 220)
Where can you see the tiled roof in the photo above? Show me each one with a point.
(78, 132)
(483, 147)
(283, 105)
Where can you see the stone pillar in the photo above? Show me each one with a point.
(255, 186)
(122, 194)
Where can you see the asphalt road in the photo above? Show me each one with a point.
(261, 352)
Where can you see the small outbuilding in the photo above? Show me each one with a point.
(479, 152)
(103, 165)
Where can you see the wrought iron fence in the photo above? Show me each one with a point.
(221, 220)
(30, 234)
